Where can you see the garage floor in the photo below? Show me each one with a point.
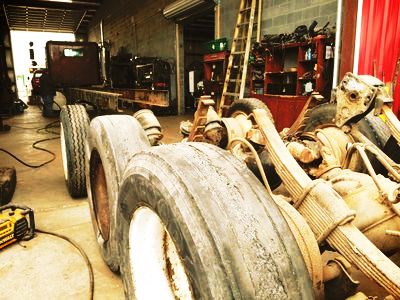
(47, 267)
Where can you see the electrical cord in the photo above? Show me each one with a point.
(83, 254)
(34, 145)
(256, 157)
(54, 124)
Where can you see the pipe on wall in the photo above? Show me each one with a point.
(358, 37)
(338, 44)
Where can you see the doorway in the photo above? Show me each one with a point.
(28, 48)
(198, 31)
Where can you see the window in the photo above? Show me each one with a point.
(77, 52)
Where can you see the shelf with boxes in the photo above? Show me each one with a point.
(284, 75)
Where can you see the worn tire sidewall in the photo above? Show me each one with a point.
(116, 138)
(158, 190)
(67, 124)
(148, 191)
(107, 247)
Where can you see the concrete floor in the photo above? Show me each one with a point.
(47, 267)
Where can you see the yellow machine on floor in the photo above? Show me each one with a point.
(16, 223)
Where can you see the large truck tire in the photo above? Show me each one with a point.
(195, 223)
(74, 126)
(371, 126)
(246, 106)
(112, 140)
(8, 182)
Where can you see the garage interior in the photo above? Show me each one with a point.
(199, 149)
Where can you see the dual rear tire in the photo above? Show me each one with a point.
(74, 126)
(195, 223)
(111, 142)
(182, 221)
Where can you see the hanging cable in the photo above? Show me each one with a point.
(82, 253)
(34, 145)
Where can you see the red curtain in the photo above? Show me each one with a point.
(380, 42)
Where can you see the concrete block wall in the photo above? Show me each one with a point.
(139, 27)
(281, 16)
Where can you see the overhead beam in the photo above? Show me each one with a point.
(75, 5)
(5, 15)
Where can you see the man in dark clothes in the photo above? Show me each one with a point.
(47, 91)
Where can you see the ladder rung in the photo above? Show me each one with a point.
(225, 106)
(238, 52)
(245, 23)
(242, 24)
(230, 94)
(234, 80)
(245, 9)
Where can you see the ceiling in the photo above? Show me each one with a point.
(71, 16)
(201, 25)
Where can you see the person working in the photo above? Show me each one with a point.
(47, 90)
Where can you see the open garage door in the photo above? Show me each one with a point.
(181, 10)
(7, 76)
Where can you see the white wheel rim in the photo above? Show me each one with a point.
(64, 153)
(157, 270)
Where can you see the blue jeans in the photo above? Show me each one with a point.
(48, 106)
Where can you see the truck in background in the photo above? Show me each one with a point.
(77, 69)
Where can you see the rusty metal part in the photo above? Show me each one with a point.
(327, 214)
(99, 194)
(385, 160)
(392, 122)
(239, 125)
(213, 131)
(388, 189)
(323, 150)
(354, 97)
(185, 127)
(305, 152)
(150, 125)
(255, 136)
(234, 129)
(382, 99)
(392, 169)
(101, 99)
(335, 139)
(200, 119)
(119, 100)
(159, 98)
(331, 271)
(338, 280)
(307, 243)
(373, 217)
(214, 135)
(336, 267)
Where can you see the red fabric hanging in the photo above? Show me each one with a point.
(380, 42)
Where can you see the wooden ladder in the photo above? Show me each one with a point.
(236, 72)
